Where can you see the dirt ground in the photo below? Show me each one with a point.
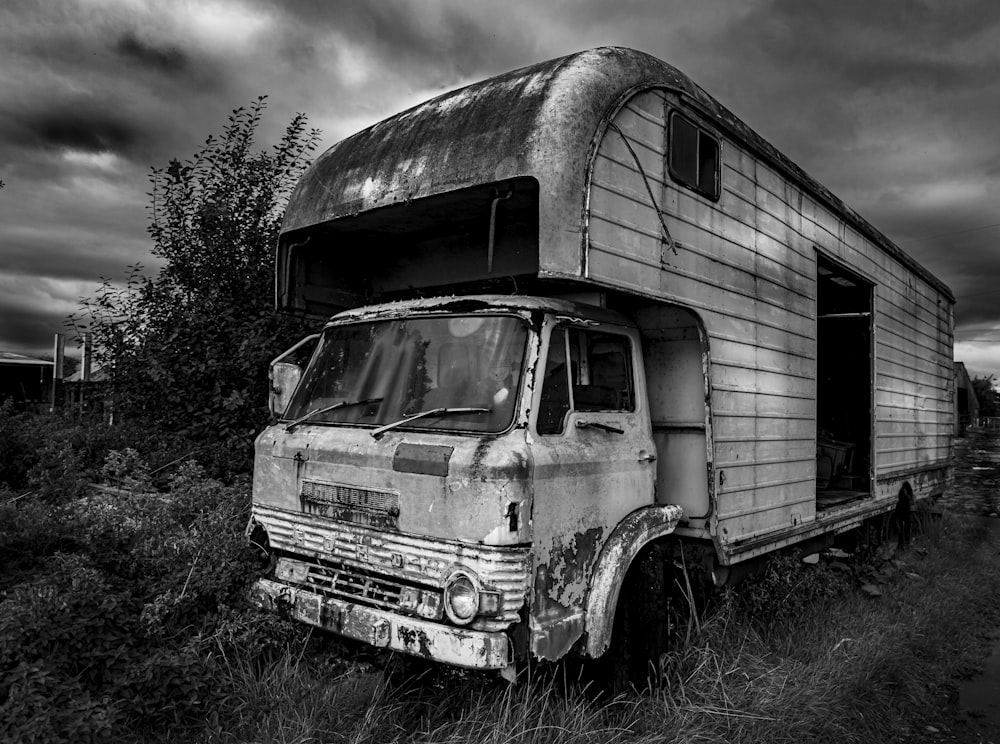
(970, 713)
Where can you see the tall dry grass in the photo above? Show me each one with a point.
(838, 667)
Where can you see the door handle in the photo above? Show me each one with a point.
(648, 457)
(603, 427)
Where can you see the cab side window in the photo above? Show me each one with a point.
(585, 371)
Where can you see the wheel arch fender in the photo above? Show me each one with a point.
(631, 535)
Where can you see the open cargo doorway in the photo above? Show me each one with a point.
(844, 420)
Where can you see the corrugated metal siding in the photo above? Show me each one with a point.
(747, 265)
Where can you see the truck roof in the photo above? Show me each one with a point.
(540, 121)
(479, 303)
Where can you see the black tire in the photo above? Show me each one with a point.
(641, 632)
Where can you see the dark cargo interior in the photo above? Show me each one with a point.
(843, 385)
(483, 238)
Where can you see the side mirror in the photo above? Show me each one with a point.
(285, 378)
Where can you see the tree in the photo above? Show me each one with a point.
(989, 398)
(189, 348)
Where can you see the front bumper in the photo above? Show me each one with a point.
(472, 649)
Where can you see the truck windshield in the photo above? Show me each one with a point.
(388, 370)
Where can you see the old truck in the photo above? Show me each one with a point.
(583, 318)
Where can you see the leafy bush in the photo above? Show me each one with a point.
(30, 531)
(126, 469)
(56, 455)
(15, 447)
(43, 707)
(189, 349)
(129, 627)
(64, 640)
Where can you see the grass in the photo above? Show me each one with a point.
(843, 667)
(122, 619)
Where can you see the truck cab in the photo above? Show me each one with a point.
(447, 472)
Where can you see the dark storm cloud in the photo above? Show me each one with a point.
(69, 257)
(434, 44)
(165, 58)
(77, 126)
(828, 60)
(29, 323)
(91, 96)
(84, 79)
(868, 44)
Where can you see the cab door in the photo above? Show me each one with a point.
(594, 463)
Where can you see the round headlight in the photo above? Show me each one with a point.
(461, 600)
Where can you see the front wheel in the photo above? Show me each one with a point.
(642, 629)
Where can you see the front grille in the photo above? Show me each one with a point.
(351, 504)
(362, 498)
(344, 582)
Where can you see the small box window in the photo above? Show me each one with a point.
(694, 157)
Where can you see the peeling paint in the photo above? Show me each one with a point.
(416, 642)
(569, 565)
(461, 647)
(511, 515)
(554, 627)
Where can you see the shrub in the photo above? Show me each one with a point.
(189, 348)
(126, 469)
(45, 707)
(127, 626)
(16, 446)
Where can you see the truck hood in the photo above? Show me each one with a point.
(466, 488)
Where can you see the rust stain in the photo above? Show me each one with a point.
(570, 565)
(416, 642)
(560, 589)
(554, 627)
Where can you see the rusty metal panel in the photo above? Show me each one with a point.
(429, 459)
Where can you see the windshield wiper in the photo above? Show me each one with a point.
(432, 412)
(334, 407)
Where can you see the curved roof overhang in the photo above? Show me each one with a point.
(542, 121)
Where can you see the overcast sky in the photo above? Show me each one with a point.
(895, 106)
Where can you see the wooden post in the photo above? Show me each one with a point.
(58, 353)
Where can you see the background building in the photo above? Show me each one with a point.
(24, 379)
(966, 403)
